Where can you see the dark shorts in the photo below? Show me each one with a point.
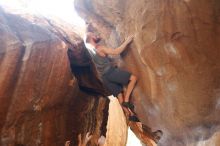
(114, 80)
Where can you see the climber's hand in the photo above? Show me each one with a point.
(67, 143)
(83, 142)
(130, 38)
(87, 138)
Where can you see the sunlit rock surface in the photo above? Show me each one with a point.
(175, 54)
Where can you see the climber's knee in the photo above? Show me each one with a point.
(120, 98)
(133, 78)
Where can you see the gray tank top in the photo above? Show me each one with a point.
(102, 64)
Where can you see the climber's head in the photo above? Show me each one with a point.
(91, 37)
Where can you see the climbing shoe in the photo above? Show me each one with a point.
(128, 105)
(133, 118)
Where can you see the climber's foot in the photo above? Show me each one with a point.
(128, 105)
(134, 118)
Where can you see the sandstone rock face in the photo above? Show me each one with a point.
(40, 102)
(175, 54)
(34, 77)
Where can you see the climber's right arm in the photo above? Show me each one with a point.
(116, 51)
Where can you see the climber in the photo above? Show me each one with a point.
(112, 77)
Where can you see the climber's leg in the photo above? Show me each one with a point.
(120, 99)
(114, 80)
(128, 91)
(130, 87)
(121, 78)
(131, 115)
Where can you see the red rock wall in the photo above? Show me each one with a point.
(34, 77)
(175, 54)
(41, 103)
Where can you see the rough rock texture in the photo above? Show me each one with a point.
(40, 101)
(33, 59)
(175, 54)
